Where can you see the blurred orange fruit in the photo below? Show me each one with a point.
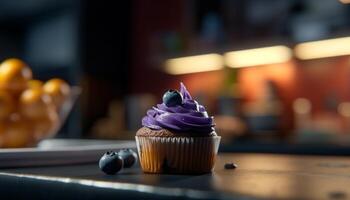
(14, 75)
(2, 133)
(34, 103)
(35, 84)
(17, 133)
(7, 104)
(46, 126)
(28, 108)
(58, 89)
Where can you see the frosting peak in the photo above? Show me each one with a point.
(189, 116)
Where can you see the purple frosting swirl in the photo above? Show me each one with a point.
(190, 116)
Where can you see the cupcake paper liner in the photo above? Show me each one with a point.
(182, 155)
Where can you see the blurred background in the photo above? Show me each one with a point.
(275, 74)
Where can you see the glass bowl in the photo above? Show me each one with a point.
(22, 133)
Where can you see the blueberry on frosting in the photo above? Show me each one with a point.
(172, 98)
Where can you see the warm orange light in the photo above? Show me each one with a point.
(259, 56)
(345, 1)
(302, 106)
(192, 64)
(323, 48)
(344, 109)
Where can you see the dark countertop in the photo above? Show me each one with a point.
(287, 148)
(258, 176)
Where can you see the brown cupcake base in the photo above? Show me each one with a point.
(177, 155)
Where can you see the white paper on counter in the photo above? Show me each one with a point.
(61, 152)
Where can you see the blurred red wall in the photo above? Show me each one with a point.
(315, 80)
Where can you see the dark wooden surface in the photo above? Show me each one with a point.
(266, 176)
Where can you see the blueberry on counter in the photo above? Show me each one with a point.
(172, 98)
(129, 157)
(230, 166)
(111, 163)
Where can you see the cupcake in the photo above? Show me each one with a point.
(177, 136)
